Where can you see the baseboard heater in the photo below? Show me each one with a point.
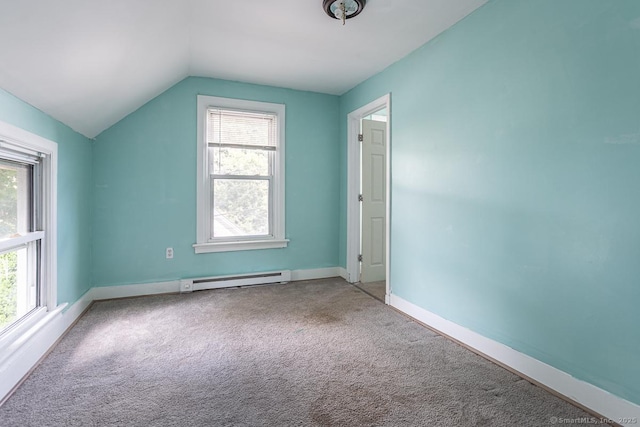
(202, 283)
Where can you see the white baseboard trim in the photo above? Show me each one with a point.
(600, 401)
(342, 272)
(26, 355)
(136, 290)
(173, 286)
(318, 273)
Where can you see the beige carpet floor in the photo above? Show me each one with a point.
(307, 353)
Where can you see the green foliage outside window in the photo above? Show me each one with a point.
(243, 203)
(8, 201)
(8, 288)
(8, 260)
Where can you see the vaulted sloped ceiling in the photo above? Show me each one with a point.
(89, 63)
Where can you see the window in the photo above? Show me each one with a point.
(240, 175)
(27, 233)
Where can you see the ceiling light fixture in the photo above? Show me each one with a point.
(343, 9)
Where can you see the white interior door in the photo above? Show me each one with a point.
(374, 147)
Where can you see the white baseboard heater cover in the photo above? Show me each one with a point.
(202, 283)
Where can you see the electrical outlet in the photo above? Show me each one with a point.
(169, 253)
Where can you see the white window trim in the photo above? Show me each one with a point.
(13, 137)
(277, 240)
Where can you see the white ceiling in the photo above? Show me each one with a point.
(89, 63)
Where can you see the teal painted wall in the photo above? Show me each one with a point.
(515, 145)
(145, 188)
(516, 181)
(74, 193)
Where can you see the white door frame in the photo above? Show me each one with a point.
(353, 188)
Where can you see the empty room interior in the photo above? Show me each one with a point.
(329, 212)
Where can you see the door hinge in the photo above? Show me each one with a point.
(360, 258)
(360, 137)
(360, 198)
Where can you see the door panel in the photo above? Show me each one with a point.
(377, 171)
(374, 195)
(377, 242)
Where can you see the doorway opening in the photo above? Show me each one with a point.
(368, 207)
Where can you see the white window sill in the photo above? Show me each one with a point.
(248, 245)
(15, 337)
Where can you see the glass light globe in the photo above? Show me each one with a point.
(350, 6)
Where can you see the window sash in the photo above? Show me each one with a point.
(242, 146)
(271, 159)
(270, 219)
(27, 244)
(14, 242)
(247, 177)
(271, 149)
(29, 296)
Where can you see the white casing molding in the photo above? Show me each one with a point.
(204, 243)
(24, 343)
(353, 189)
(600, 401)
(16, 136)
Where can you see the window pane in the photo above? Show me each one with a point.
(238, 161)
(15, 199)
(241, 127)
(17, 296)
(240, 207)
